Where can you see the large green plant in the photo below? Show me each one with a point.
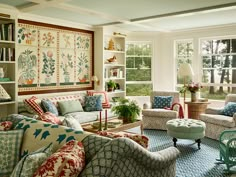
(126, 109)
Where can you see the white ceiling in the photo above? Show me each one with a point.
(133, 15)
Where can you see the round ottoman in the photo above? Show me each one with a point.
(186, 129)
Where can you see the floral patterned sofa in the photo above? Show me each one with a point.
(103, 156)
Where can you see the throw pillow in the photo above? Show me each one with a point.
(229, 109)
(32, 105)
(67, 161)
(104, 98)
(48, 106)
(140, 139)
(70, 106)
(71, 122)
(10, 145)
(30, 162)
(162, 101)
(93, 103)
(50, 117)
(6, 125)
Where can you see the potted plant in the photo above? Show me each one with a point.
(111, 85)
(126, 109)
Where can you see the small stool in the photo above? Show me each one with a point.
(186, 129)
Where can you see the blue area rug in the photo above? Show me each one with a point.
(192, 162)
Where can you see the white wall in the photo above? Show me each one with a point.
(164, 65)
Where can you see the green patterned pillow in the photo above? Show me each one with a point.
(9, 150)
(38, 134)
(30, 162)
(93, 103)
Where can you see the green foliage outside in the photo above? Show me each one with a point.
(138, 89)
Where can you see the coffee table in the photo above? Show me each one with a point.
(117, 125)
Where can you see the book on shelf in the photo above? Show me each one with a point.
(116, 73)
(6, 54)
(7, 32)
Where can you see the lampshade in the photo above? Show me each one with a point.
(185, 70)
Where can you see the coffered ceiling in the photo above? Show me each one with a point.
(133, 15)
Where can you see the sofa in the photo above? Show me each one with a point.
(81, 116)
(104, 157)
(216, 121)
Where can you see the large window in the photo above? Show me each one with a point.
(218, 67)
(183, 54)
(138, 68)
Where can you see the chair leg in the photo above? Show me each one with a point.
(175, 140)
(198, 141)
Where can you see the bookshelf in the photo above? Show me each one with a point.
(110, 61)
(8, 67)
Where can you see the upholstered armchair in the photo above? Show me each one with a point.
(216, 122)
(156, 118)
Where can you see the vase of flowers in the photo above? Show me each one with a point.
(194, 88)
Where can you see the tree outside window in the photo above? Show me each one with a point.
(218, 67)
(138, 68)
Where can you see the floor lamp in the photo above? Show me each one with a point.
(185, 71)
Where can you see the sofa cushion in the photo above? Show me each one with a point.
(229, 109)
(6, 125)
(93, 103)
(48, 106)
(50, 117)
(32, 105)
(162, 101)
(42, 134)
(56, 99)
(104, 98)
(10, 150)
(221, 120)
(70, 106)
(160, 113)
(72, 122)
(30, 163)
(67, 161)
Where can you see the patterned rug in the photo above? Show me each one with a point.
(192, 162)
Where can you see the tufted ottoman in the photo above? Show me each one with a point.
(186, 129)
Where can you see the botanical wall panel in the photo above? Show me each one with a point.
(53, 58)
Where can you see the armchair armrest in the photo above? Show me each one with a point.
(213, 110)
(226, 135)
(147, 106)
(123, 153)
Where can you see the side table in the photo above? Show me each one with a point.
(196, 108)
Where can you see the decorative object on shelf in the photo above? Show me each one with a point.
(111, 45)
(4, 96)
(95, 80)
(193, 88)
(111, 85)
(119, 34)
(115, 99)
(5, 79)
(112, 60)
(117, 86)
(127, 110)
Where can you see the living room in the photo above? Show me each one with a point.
(172, 32)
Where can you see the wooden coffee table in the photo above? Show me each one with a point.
(118, 125)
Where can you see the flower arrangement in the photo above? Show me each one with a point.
(192, 87)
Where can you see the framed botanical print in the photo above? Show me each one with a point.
(53, 58)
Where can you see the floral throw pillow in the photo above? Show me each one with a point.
(162, 101)
(6, 125)
(93, 103)
(50, 117)
(67, 161)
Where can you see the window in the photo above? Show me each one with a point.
(138, 68)
(218, 58)
(183, 54)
